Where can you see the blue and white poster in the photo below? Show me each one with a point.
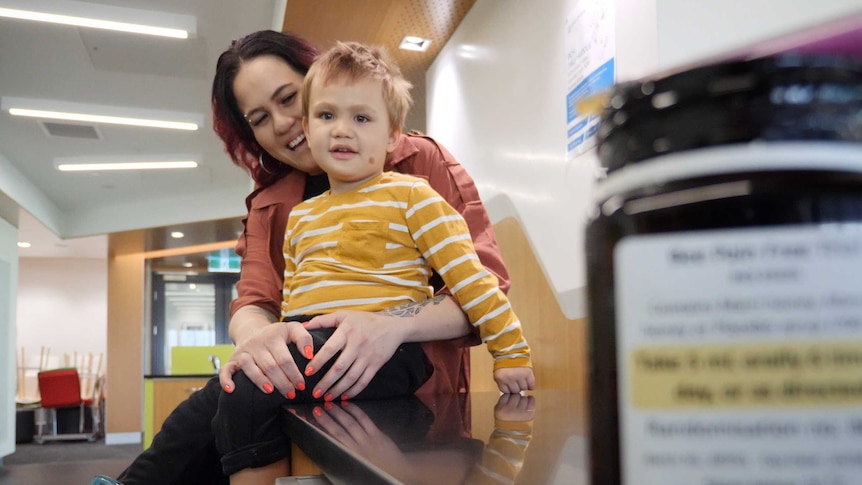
(590, 68)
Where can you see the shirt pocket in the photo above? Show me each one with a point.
(362, 243)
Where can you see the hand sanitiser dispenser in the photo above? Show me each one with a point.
(724, 267)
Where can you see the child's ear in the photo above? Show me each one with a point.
(394, 137)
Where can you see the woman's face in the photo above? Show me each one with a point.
(268, 95)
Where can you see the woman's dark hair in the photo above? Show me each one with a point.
(228, 122)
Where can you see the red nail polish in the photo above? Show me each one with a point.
(344, 397)
(300, 386)
(309, 371)
(328, 405)
(228, 389)
(267, 388)
(309, 352)
(317, 411)
(291, 395)
(328, 397)
(317, 393)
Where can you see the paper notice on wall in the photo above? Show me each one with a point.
(589, 67)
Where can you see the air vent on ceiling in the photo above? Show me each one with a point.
(67, 130)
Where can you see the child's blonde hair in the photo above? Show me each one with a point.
(355, 61)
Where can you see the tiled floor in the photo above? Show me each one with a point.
(64, 463)
(69, 473)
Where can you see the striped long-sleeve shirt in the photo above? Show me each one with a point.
(375, 247)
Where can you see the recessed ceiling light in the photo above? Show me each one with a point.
(413, 43)
(106, 17)
(24, 244)
(189, 265)
(177, 235)
(93, 167)
(92, 113)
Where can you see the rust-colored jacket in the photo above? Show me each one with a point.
(262, 240)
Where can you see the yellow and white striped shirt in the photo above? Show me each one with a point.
(375, 247)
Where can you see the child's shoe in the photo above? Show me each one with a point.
(103, 480)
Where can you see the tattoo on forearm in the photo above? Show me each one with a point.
(413, 308)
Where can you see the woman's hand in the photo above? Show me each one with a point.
(264, 357)
(366, 341)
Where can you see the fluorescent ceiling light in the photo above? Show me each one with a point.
(92, 113)
(413, 43)
(98, 167)
(24, 244)
(98, 163)
(177, 235)
(112, 120)
(106, 17)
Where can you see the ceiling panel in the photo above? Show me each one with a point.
(382, 22)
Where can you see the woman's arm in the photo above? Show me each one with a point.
(367, 340)
(261, 348)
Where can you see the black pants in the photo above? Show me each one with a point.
(247, 426)
(184, 451)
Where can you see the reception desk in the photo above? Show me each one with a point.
(481, 437)
(162, 394)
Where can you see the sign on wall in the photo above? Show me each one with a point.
(589, 66)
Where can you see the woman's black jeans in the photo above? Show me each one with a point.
(185, 451)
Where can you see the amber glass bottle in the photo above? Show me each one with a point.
(724, 267)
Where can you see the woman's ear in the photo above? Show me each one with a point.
(394, 137)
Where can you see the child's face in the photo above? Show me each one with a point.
(348, 130)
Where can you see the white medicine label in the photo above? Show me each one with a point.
(740, 356)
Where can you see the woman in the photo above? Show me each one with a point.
(257, 113)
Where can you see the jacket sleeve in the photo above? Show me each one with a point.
(261, 244)
(261, 275)
(449, 178)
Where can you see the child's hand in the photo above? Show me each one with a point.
(512, 380)
(514, 408)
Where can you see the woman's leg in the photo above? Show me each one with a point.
(183, 452)
(247, 425)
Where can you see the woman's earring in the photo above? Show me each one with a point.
(260, 161)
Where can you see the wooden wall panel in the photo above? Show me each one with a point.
(124, 363)
(558, 344)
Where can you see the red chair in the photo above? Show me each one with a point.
(61, 390)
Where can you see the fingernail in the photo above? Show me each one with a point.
(309, 371)
(267, 388)
(309, 352)
(317, 393)
(328, 397)
(344, 404)
(291, 394)
(228, 389)
(300, 386)
(328, 405)
(317, 411)
(344, 397)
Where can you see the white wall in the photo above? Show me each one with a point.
(8, 276)
(496, 99)
(62, 304)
